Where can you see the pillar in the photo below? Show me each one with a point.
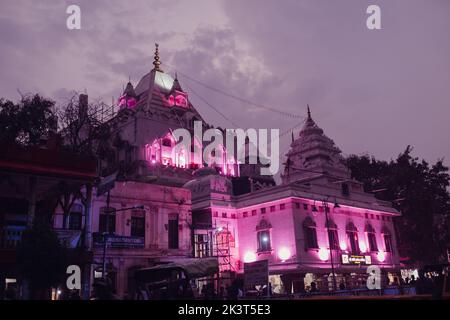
(87, 267)
(31, 202)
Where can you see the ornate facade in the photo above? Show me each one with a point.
(317, 220)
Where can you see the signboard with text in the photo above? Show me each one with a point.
(116, 241)
(356, 259)
(256, 273)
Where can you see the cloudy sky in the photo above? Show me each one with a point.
(373, 91)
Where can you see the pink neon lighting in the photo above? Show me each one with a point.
(284, 254)
(125, 101)
(343, 246)
(179, 100)
(323, 254)
(249, 256)
(163, 151)
(381, 256)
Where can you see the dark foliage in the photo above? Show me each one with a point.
(417, 189)
(40, 257)
(27, 122)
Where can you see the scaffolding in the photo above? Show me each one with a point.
(102, 112)
(222, 240)
(217, 242)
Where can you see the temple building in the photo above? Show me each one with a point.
(142, 132)
(164, 208)
(316, 221)
(150, 219)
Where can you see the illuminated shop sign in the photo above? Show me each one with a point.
(352, 259)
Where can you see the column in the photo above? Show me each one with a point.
(87, 267)
(31, 202)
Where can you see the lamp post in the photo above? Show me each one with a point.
(106, 233)
(326, 208)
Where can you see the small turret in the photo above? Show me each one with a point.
(176, 84)
(128, 98)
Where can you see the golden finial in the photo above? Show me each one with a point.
(156, 61)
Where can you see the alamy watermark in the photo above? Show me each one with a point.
(73, 21)
(250, 146)
(73, 281)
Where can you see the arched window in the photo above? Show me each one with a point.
(352, 237)
(371, 237)
(333, 237)
(387, 239)
(263, 236)
(309, 229)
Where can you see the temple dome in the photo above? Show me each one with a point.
(313, 154)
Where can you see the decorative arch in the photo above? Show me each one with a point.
(330, 224)
(309, 223)
(385, 230)
(351, 227)
(369, 228)
(263, 225)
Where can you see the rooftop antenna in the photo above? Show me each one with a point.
(309, 112)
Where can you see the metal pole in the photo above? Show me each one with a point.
(329, 244)
(105, 237)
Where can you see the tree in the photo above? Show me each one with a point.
(26, 123)
(420, 192)
(83, 133)
(41, 259)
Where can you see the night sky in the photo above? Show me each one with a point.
(372, 91)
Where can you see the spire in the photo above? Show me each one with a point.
(314, 154)
(292, 133)
(156, 61)
(129, 90)
(176, 83)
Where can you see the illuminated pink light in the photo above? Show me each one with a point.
(381, 256)
(284, 254)
(362, 247)
(323, 254)
(249, 256)
(125, 101)
(343, 246)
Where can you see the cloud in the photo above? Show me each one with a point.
(375, 91)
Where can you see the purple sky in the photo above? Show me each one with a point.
(371, 91)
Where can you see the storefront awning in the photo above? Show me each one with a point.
(193, 268)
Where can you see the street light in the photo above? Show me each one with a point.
(335, 206)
